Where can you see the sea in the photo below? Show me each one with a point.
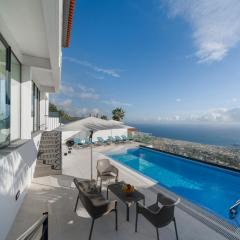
(227, 135)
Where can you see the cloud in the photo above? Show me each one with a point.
(98, 77)
(221, 115)
(80, 91)
(178, 100)
(110, 72)
(234, 99)
(215, 24)
(68, 107)
(117, 103)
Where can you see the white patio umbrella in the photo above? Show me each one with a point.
(90, 125)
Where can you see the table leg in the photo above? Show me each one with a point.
(127, 213)
(107, 192)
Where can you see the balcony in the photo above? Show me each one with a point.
(57, 195)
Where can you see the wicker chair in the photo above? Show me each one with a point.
(95, 204)
(159, 216)
(106, 171)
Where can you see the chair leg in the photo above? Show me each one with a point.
(75, 208)
(157, 234)
(136, 221)
(116, 220)
(90, 235)
(175, 226)
(100, 184)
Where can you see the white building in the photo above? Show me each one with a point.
(32, 34)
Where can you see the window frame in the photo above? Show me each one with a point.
(9, 52)
(8, 78)
(20, 81)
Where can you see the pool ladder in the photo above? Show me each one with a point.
(233, 210)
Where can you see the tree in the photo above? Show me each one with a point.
(104, 117)
(52, 108)
(118, 114)
(62, 114)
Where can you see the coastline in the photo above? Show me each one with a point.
(226, 135)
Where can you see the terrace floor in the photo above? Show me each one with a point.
(57, 195)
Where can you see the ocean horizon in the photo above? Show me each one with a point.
(227, 135)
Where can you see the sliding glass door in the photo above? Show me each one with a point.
(4, 97)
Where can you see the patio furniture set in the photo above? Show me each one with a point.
(160, 214)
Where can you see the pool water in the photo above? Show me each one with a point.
(210, 187)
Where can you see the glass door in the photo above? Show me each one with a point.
(4, 98)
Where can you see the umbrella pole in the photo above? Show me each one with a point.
(91, 162)
(90, 138)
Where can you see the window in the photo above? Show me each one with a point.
(15, 98)
(4, 95)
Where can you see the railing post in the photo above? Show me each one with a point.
(45, 228)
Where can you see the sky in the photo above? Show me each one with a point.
(160, 60)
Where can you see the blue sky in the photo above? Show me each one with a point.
(169, 60)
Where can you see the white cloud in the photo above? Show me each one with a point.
(80, 91)
(178, 100)
(221, 115)
(67, 90)
(117, 103)
(107, 71)
(98, 77)
(72, 110)
(234, 99)
(215, 24)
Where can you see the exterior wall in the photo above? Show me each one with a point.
(52, 123)
(16, 172)
(103, 133)
(68, 134)
(26, 103)
(44, 102)
(114, 132)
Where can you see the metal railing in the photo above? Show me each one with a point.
(33, 231)
(233, 210)
(52, 121)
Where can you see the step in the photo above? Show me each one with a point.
(42, 170)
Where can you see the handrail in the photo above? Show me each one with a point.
(31, 231)
(233, 210)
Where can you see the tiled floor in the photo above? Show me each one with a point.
(57, 195)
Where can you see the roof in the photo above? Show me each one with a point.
(68, 10)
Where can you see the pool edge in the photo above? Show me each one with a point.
(207, 218)
(192, 159)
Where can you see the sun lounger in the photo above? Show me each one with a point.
(118, 139)
(124, 138)
(111, 139)
(102, 141)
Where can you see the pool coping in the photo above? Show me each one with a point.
(206, 217)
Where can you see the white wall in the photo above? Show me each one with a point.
(26, 103)
(43, 109)
(68, 134)
(52, 123)
(114, 132)
(16, 172)
(103, 133)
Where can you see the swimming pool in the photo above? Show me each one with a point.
(208, 186)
